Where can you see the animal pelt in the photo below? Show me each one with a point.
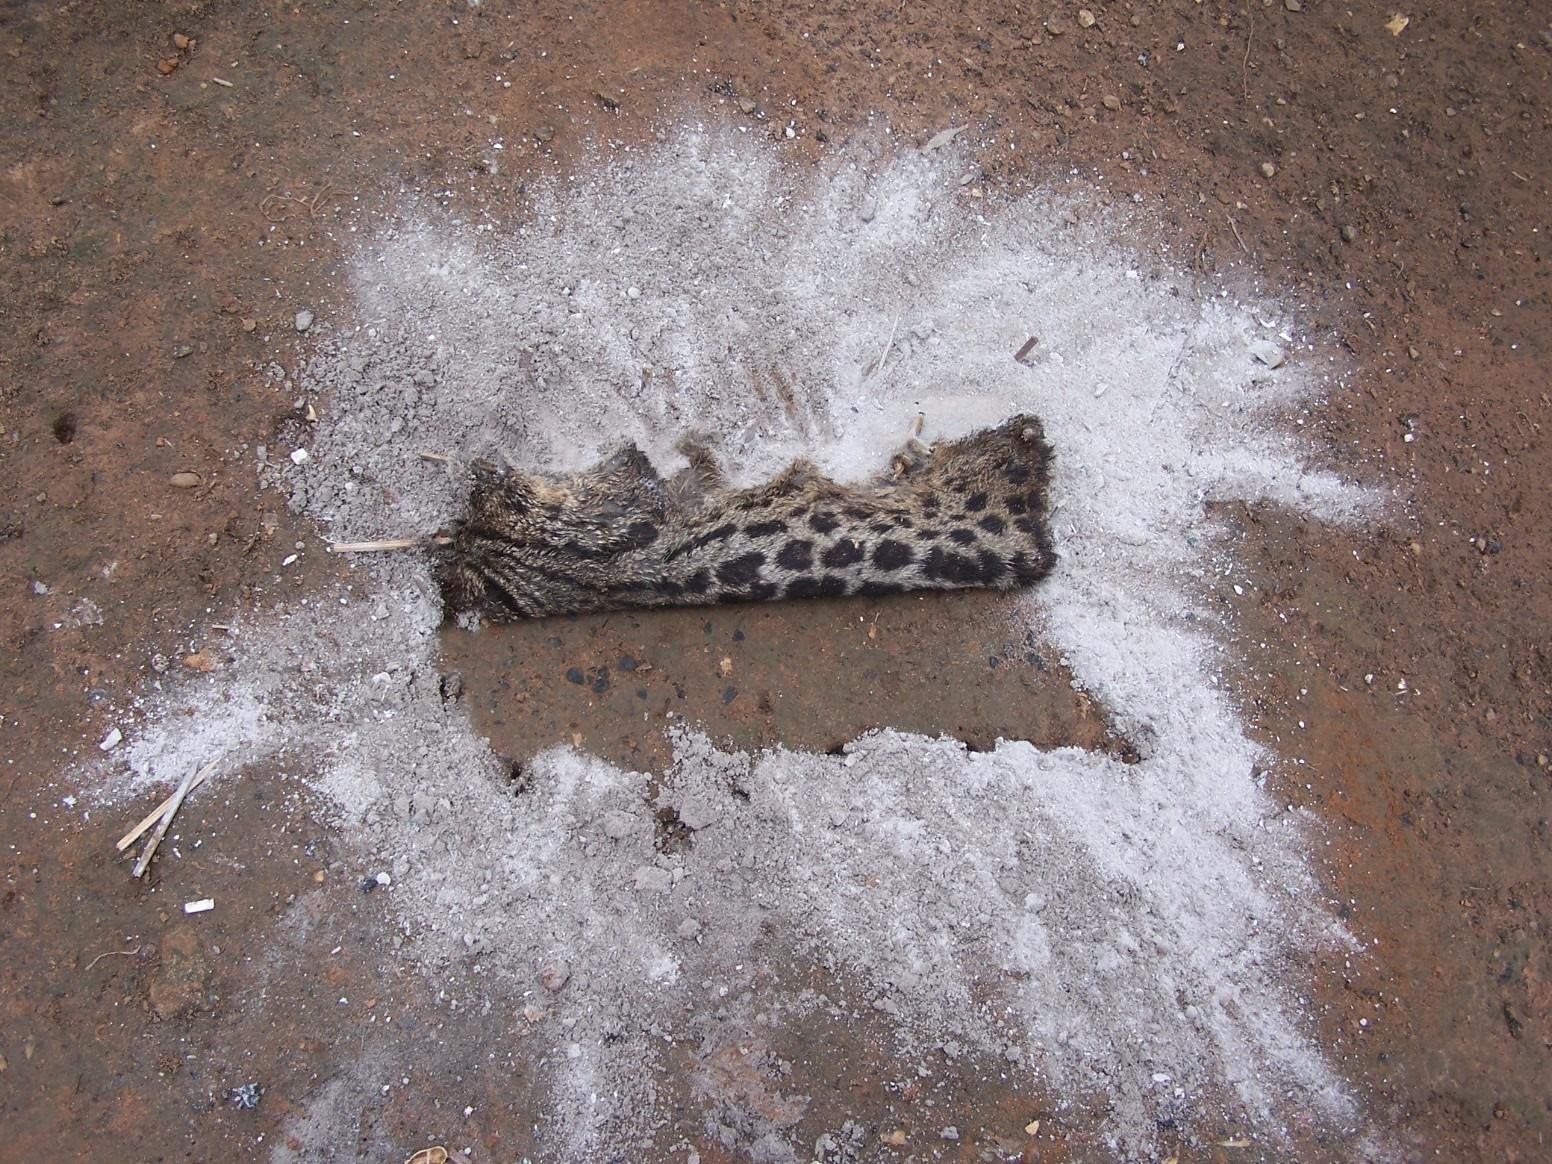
(960, 514)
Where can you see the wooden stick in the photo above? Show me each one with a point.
(156, 813)
(161, 830)
(439, 458)
(387, 544)
(373, 547)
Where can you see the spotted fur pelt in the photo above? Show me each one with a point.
(963, 513)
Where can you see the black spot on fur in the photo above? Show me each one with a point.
(1027, 525)
(926, 535)
(873, 588)
(587, 553)
(763, 591)
(964, 537)
(669, 588)
(892, 555)
(824, 523)
(796, 556)
(844, 553)
(993, 524)
(764, 529)
(975, 503)
(699, 582)
(992, 567)
(640, 533)
(721, 533)
(824, 586)
(930, 506)
(1036, 501)
(956, 568)
(1016, 472)
(857, 514)
(742, 570)
(1016, 504)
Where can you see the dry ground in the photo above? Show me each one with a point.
(1398, 182)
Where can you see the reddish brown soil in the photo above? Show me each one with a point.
(145, 214)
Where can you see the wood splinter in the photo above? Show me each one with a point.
(378, 547)
(175, 802)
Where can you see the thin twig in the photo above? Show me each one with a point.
(131, 951)
(1244, 68)
(156, 813)
(387, 544)
(1237, 239)
(439, 458)
(161, 830)
(878, 364)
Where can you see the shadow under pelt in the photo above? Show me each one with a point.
(960, 514)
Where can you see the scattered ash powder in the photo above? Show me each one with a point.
(1136, 931)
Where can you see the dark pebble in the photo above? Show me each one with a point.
(601, 680)
(626, 663)
(738, 636)
(574, 675)
(729, 694)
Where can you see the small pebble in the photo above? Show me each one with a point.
(184, 480)
(299, 457)
(633, 292)
(1268, 169)
(167, 66)
(182, 350)
(1111, 102)
(1293, 5)
(249, 324)
(1085, 18)
(1268, 353)
(1349, 233)
(181, 42)
(203, 905)
(746, 106)
(555, 975)
(111, 740)
(544, 133)
(304, 320)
